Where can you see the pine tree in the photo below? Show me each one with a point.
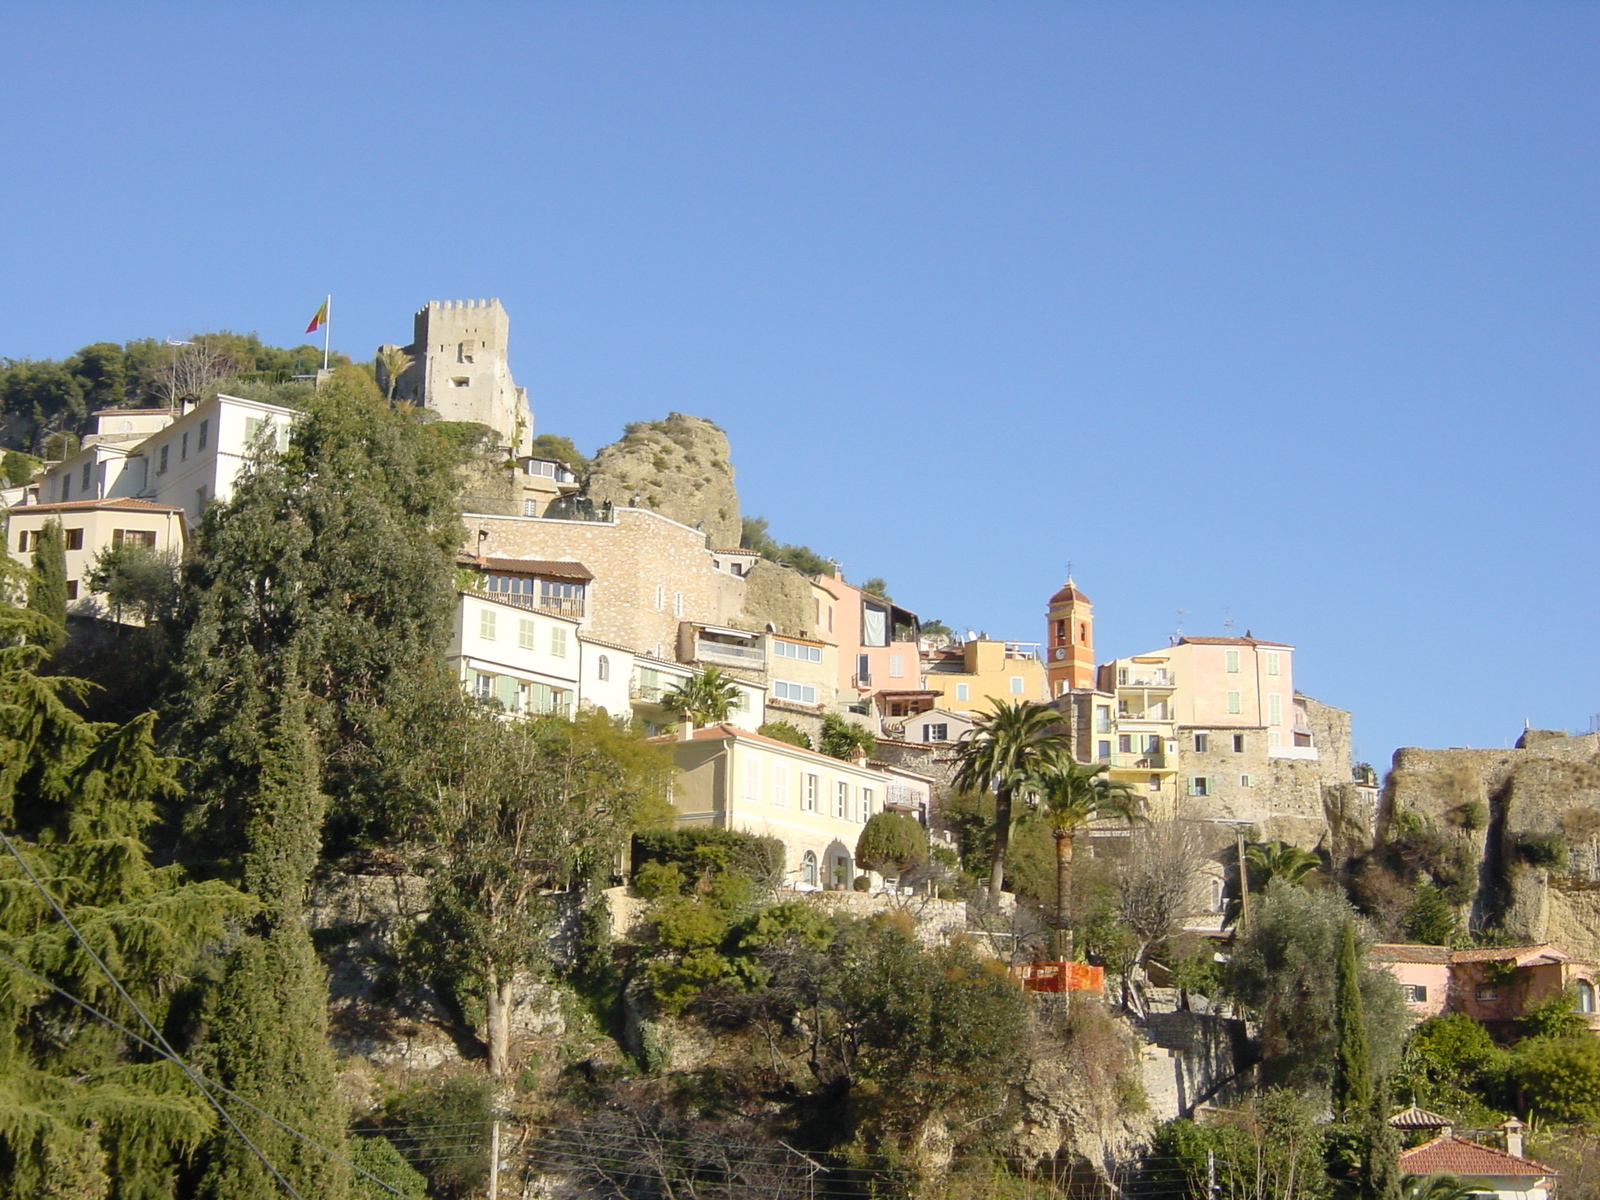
(84, 1110)
(1352, 1080)
(47, 587)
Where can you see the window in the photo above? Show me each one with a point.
(752, 778)
(1103, 751)
(808, 869)
(558, 641)
(1232, 657)
(808, 795)
(134, 537)
(1416, 993)
(796, 651)
(1155, 783)
(27, 540)
(677, 604)
(841, 799)
(1124, 743)
(864, 670)
(482, 685)
(1487, 991)
(797, 693)
(1272, 662)
(1238, 743)
(510, 585)
(1274, 709)
(780, 785)
(1199, 785)
(1233, 702)
(1202, 743)
(1274, 739)
(161, 462)
(1122, 674)
(661, 597)
(183, 448)
(460, 381)
(1016, 685)
(72, 589)
(897, 666)
(527, 634)
(88, 469)
(1585, 996)
(962, 691)
(602, 668)
(935, 733)
(866, 805)
(1152, 744)
(1102, 718)
(530, 508)
(199, 500)
(1247, 781)
(1083, 632)
(205, 435)
(66, 487)
(75, 539)
(486, 623)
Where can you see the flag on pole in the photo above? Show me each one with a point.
(318, 321)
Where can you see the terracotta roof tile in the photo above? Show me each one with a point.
(1404, 953)
(1458, 1156)
(532, 566)
(1517, 954)
(84, 505)
(1419, 1118)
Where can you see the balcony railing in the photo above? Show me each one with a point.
(1148, 681)
(567, 606)
(650, 693)
(1140, 762)
(738, 656)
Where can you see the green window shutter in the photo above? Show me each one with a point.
(505, 691)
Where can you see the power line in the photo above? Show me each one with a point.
(149, 1024)
(193, 1074)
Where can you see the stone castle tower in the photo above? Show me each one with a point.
(1069, 640)
(459, 368)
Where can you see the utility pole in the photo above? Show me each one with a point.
(1244, 879)
(494, 1159)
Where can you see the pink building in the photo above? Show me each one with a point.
(1497, 985)
(877, 640)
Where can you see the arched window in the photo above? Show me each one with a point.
(808, 869)
(603, 668)
(1585, 996)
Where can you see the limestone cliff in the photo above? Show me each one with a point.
(1530, 818)
(679, 468)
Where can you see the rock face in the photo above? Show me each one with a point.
(679, 468)
(1544, 792)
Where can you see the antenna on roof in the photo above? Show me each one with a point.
(1227, 619)
(1178, 633)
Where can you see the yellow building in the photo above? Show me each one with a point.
(1136, 726)
(89, 526)
(815, 805)
(972, 677)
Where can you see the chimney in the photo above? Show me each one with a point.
(686, 730)
(1514, 1129)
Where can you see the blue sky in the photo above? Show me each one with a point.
(1283, 313)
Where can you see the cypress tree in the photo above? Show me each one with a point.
(47, 587)
(1352, 1081)
(1380, 1166)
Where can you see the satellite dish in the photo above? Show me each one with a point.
(972, 635)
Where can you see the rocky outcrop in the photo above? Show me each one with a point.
(679, 468)
(780, 597)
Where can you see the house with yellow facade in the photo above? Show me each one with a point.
(970, 678)
(730, 778)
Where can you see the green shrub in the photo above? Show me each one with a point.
(705, 853)
(447, 1132)
(1548, 850)
(1559, 1078)
(892, 844)
(842, 739)
(784, 731)
(376, 1155)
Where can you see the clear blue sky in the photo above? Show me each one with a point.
(1286, 311)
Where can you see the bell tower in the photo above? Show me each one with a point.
(1069, 640)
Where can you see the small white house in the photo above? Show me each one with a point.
(525, 659)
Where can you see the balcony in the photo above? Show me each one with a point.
(1303, 753)
(1147, 681)
(749, 658)
(1139, 762)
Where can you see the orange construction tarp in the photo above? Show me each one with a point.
(1060, 977)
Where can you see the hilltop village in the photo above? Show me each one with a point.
(578, 815)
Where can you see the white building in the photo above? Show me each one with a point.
(525, 659)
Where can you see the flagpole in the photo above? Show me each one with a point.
(327, 332)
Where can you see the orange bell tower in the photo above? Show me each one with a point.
(1069, 640)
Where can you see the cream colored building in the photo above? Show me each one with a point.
(815, 805)
(972, 677)
(90, 526)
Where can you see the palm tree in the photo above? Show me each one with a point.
(1013, 749)
(392, 362)
(1441, 1185)
(1266, 861)
(707, 697)
(1073, 796)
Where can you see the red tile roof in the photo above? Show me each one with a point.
(1403, 953)
(1231, 641)
(1521, 955)
(533, 566)
(1419, 1118)
(85, 505)
(1457, 1156)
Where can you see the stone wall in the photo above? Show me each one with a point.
(678, 467)
(781, 597)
